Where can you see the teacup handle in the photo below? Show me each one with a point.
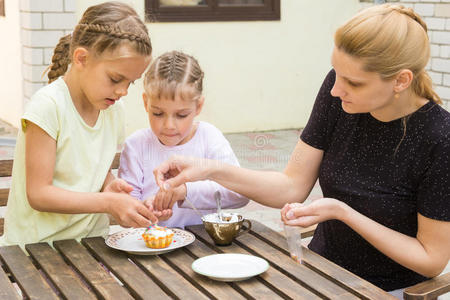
(249, 226)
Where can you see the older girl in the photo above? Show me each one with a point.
(61, 183)
(379, 143)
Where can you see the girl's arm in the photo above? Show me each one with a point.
(40, 154)
(427, 254)
(268, 188)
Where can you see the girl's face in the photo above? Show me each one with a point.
(172, 120)
(105, 79)
(359, 90)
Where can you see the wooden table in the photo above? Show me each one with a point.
(80, 271)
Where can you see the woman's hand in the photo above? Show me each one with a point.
(181, 169)
(318, 211)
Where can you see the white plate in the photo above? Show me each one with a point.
(230, 266)
(131, 241)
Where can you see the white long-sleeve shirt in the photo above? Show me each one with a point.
(143, 152)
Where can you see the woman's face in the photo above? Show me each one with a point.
(359, 90)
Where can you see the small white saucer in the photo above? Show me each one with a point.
(230, 266)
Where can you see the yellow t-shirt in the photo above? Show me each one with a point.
(83, 157)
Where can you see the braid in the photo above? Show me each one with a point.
(171, 68)
(60, 59)
(172, 72)
(115, 32)
(408, 11)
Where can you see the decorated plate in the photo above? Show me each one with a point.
(230, 266)
(131, 241)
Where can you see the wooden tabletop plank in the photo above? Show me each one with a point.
(134, 279)
(7, 290)
(169, 279)
(61, 275)
(339, 275)
(32, 284)
(272, 276)
(261, 286)
(102, 283)
(253, 288)
(182, 262)
(282, 261)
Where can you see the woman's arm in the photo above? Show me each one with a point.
(427, 253)
(40, 153)
(268, 188)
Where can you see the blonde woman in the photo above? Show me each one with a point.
(379, 144)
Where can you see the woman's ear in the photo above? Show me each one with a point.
(145, 99)
(403, 80)
(199, 105)
(80, 57)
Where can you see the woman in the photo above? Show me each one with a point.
(379, 143)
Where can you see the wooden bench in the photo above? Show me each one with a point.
(426, 290)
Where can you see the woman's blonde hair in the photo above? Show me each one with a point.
(103, 27)
(389, 38)
(174, 74)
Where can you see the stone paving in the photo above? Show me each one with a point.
(268, 150)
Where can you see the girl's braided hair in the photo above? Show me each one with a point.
(103, 26)
(174, 74)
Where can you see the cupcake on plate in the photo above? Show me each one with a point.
(157, 237)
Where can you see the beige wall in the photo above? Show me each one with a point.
(11, 100)
(258, 75)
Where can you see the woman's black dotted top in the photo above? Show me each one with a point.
(382, 173)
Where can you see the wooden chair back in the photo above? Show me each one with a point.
(6, 171)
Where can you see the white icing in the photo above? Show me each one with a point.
(214, 218)
(159, 232)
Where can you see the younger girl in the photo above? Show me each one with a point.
(172, 98)
(62, 184)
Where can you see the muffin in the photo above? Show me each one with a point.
(157, 237)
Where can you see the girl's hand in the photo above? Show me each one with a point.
(181, 169)
(161, 214)
(166, 199)
(318, 211)
(128, 211)
(118, 186)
